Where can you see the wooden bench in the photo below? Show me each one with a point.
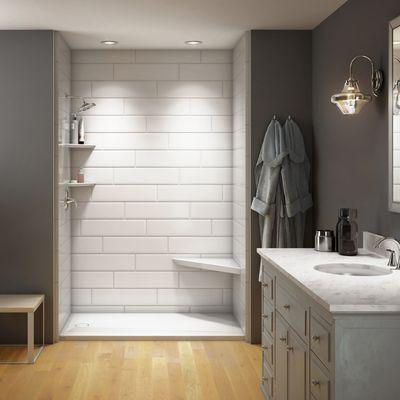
(27, 304)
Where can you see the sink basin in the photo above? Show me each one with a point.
(353, 269)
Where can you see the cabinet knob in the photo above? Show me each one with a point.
(315, 382)
(282, 339)
(265, 284)
(265, 316)
(315, 338)
(286, 307)
(265, 347)
(289, 348)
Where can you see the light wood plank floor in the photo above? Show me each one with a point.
(142, 370)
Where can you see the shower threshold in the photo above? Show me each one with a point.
(151, 326)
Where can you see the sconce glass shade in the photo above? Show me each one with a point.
(351, 100)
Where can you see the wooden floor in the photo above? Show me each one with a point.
(169, 370)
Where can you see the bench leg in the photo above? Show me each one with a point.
(31, 337)
(43, 325)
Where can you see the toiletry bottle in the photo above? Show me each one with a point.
(74, 130)
(80, 176)
(347, 232)
(81, 131)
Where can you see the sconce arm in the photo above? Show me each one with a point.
(376, 74)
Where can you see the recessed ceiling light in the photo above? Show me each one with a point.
(109, 42)
(193, 42)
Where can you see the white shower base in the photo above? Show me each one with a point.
(119, 326)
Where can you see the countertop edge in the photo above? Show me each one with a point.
(336, 310)
(315, 297)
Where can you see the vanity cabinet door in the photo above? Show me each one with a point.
(297, 367)
(267, 284)
(320, 340)
(281, 359)
(291, 372)
(319, 379)
(292, 310)
(268, 318)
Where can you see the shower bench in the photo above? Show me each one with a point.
(24, 304)
(227, 265)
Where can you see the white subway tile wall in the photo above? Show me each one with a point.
(396, 138)
(241, 132)
(163, 171)
(396, 158)
(62, 65)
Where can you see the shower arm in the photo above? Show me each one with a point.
(84, 107)
(70, 97)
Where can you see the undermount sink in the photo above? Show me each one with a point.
(353, 269)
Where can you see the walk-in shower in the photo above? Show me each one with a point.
(156, 245)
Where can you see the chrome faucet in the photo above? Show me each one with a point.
(394, 261)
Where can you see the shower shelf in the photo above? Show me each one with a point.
(78, 146)
(227, 265)
(85, 184)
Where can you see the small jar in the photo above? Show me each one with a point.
(80, 176)
(347, 232)
(324, 240)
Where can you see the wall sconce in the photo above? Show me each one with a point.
(351, 100)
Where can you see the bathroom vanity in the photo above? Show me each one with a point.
(329, 336)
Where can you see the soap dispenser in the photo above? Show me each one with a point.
(347, 232)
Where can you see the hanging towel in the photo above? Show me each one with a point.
(282, 176)
(295, 171)
(268, 168)
(268, 201)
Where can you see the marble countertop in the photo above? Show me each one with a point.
(339, 294)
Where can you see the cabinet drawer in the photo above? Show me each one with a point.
(268, 350)
(320, 340)
(319, 381)
(267, 383)
(292, 311)
(267, 318)
(267, 285)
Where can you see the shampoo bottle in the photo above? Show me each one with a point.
(74, 130)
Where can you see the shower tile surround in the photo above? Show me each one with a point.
(396, 138)
(163, 171)
(241, 131)
(62, 86)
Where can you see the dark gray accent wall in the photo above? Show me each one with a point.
(351, 152)
(26, 173)
(280, 85)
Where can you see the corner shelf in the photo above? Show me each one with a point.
(85, 184)
(78, 146)
(227, 265)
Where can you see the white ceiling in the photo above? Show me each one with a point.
(161, 23)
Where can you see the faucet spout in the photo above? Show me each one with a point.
(393, 261)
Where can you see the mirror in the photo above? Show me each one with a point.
(394, 115)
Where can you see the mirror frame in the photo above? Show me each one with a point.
(394, 24)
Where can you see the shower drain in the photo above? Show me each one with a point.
(82, 325)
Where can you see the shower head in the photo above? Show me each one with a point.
(85, 106)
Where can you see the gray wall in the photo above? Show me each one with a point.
(26, 173)
(281, 86)
(351, 156)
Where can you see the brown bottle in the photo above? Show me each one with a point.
(347, 232)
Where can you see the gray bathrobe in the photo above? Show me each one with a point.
(282, 176)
